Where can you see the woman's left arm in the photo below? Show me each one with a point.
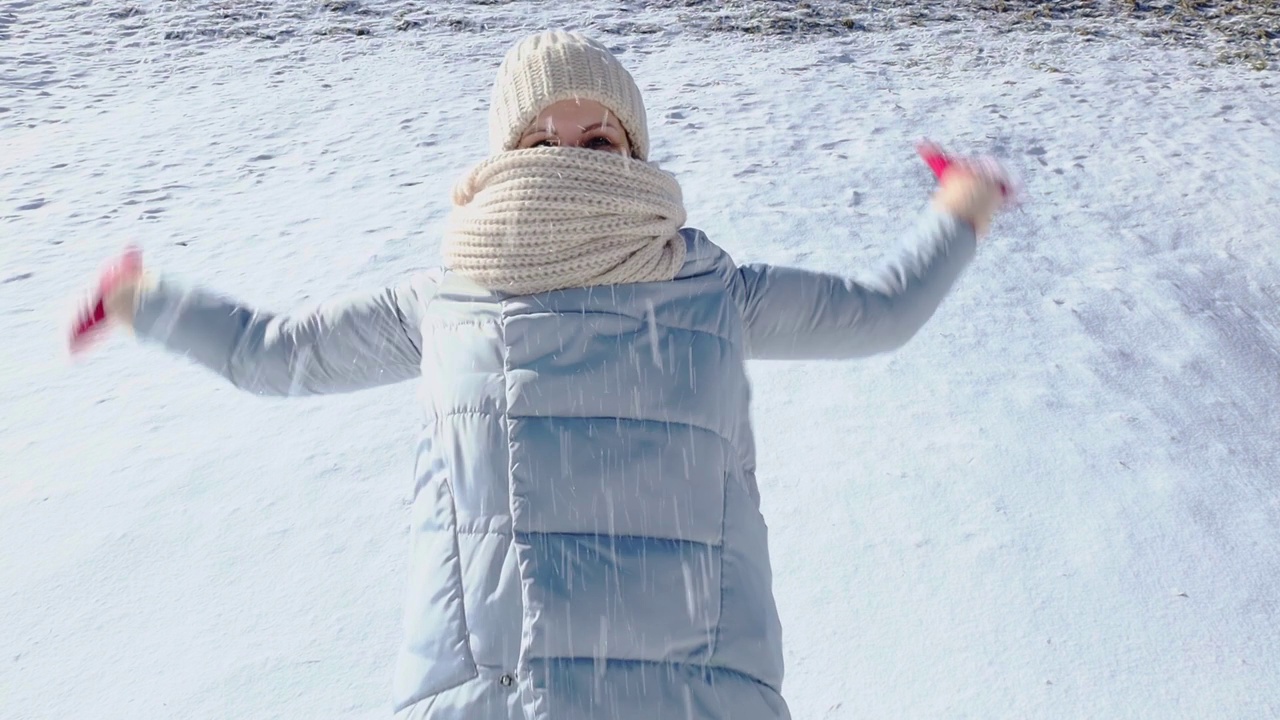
(794, 314)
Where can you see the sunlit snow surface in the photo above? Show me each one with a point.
(1058, 501)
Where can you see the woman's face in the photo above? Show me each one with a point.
(577, 123)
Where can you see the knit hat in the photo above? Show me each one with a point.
(556, 65)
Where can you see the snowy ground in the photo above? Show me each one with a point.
(1059, 501)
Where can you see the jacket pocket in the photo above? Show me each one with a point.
(436, 654)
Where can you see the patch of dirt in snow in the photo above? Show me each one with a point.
(1231, 31)
(1241, 30)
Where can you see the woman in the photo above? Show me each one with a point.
(586, 539)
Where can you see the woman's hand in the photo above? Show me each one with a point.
(112, 301)
(970, 196)
(971, 190)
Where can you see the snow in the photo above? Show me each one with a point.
(1058, 501)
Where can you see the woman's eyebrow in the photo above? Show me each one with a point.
(597, 126)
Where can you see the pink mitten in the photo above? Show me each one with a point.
(92, 320)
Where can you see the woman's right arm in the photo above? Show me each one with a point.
(352, 343)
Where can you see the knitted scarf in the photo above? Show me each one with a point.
(530, 221)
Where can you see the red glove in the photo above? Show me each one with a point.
(92, 320)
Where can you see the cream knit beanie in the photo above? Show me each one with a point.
(544, 69)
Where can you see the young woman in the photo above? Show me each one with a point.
(586, 538)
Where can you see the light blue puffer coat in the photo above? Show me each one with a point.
(586, 538)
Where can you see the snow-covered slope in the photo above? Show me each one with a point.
(1059, 501)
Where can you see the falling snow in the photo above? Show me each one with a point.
(1058, 501)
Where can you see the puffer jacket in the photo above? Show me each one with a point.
(586, 534)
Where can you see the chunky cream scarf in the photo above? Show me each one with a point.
(529, 221)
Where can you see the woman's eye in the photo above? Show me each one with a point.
(545, 143)
(599, 142)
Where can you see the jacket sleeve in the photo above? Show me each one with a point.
(342, 345)
(797, 314)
